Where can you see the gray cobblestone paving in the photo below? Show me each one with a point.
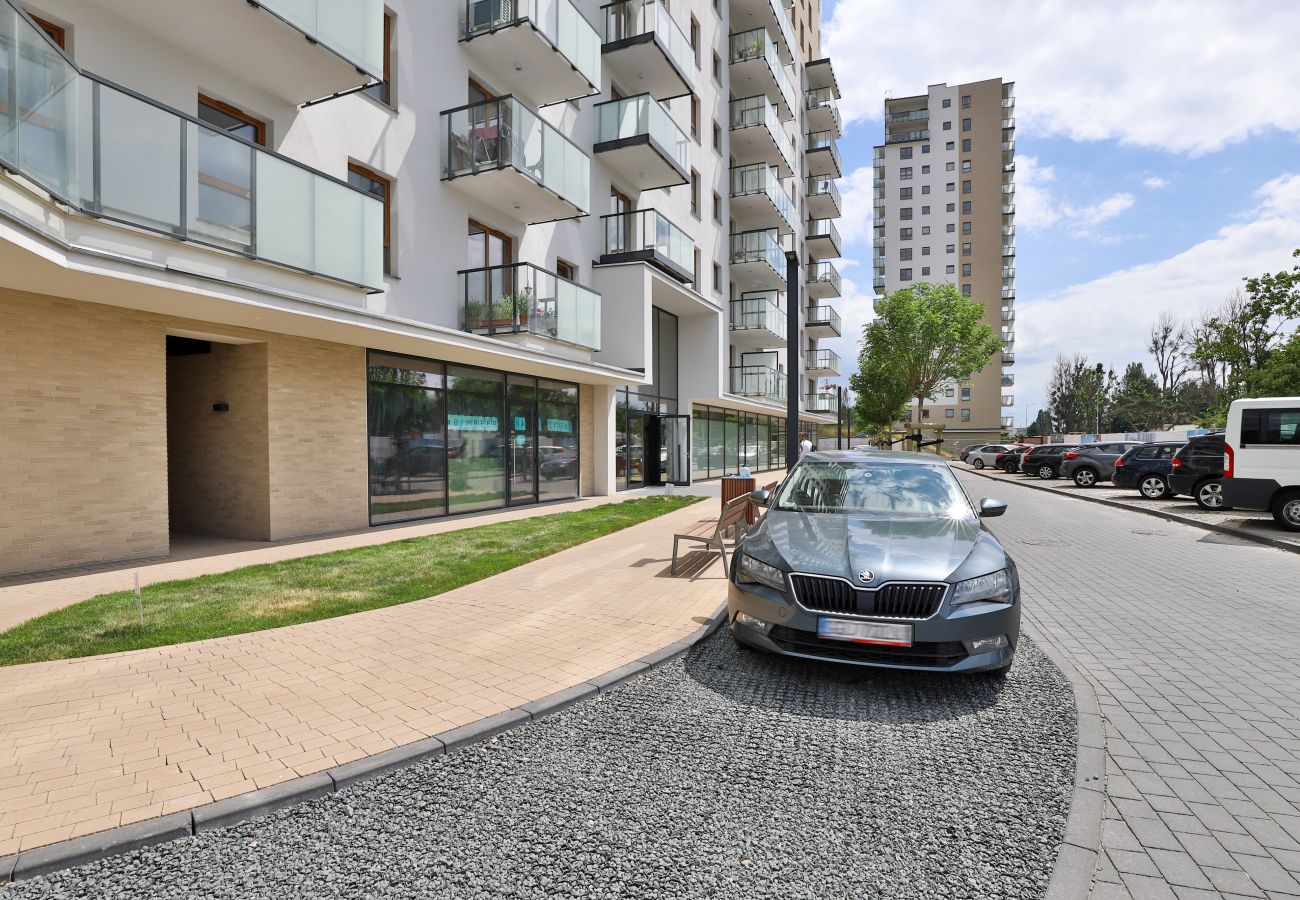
(1193, 647)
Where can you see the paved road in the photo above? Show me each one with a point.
(1192, 641)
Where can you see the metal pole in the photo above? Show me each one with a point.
(839, 417)
(792, 356)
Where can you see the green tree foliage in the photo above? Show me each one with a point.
(1139, 403)
(1080, 394)
(1041, 426)
(880, 396)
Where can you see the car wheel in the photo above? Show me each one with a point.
(1047, 473)
(1009, 468)
(1286, 510)
(1085, 477)
(1153, 487)
(979, 463)
(1209, 495)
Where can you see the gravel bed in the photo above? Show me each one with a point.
(727, 774)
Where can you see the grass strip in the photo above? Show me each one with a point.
(293, 591)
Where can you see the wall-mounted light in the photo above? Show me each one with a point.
(221, 407)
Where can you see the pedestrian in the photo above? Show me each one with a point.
(805, 445)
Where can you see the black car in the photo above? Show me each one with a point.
(1198, 471)
(1045, 462)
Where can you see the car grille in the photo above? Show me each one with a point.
(891, 601)
(934, 654)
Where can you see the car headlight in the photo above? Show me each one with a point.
(994, 587)
(750, 571)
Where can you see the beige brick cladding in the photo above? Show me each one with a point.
(586, 440)
(83, 434)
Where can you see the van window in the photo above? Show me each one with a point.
(1270, 426)
(1148, 453)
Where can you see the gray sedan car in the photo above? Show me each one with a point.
(876, 558)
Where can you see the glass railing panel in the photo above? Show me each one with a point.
(758, 311)
(758, 381)
(522, 298)
(645, 229)
(822, 315)
(824, 228)
(40, 136)
(640, 115)
(629, 18)
(760, 178)
(758, 110)
(824, 184)
(352, 29)
(557, 20)
(757, 44)
(758, 246)
(134, 170)
(824, 271)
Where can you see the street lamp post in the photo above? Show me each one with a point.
(792, 374)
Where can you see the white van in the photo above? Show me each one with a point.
(1261, 458)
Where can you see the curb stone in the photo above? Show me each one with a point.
(1158, 513)
(241, 807)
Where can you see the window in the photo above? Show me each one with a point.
(965, 165)
(965, 393)
(925, 413)
(905, 213)
(905, 173)
(695, 271)
(965, 101)
(717, 277)
(905, 193)
(965, 270)
(965, 415)
(695, 40)
(965, 145)
(904, 234)
(1270, 426)
(950, 248)
(951, 145)
(925, 211)
(925, 189)
(965, 124)
(904, 274)
(566, 269)
(965, 186)
(383, 91)
(904, 152)
(717, 207)
(965, 207)
(488, 247)
(947, 413)
(947, 102)
(925, 251)
(695, 117)
(717, 66)
(57, 33)
(619, 203)
(965, 227)
(905, 254)
(925, 148)
(965, 249)
(948, 167)
(950, 186)
(717, 137)
(227, 118)
(925, 270)
(950, 269)
(377, 185)
(965, 290)
(949, 227)
(695, 193)
(947, 126)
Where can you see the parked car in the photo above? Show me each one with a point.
(1092, 463)
(1009, 461)
(988, 455)
(1261, 458)
(1198, 471)
(968, 450)
(1045, 462)
(876, 558)
(1147, 468)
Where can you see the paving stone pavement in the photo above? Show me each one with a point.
(1191, 644)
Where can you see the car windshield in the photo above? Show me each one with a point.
(873, 488)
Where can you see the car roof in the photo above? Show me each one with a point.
(905, 457)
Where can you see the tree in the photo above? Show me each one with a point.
(1041, 426)
(926, 335)
(1079, 394)
(1139, 401)
(1167, 346)
(880, 395)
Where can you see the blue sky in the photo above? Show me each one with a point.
(1158, 154)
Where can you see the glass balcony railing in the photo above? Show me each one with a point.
(758, 246)
(757, 44)
(785, 24)
(816, 98)
(820, 402)
(502, 133)
(823, 228)
(824, 140)
(115, 155)
(626, 19)
(824, 272)
(643, 115)
(758, 310)
(827, 360)
(520, 298)
(900, 137)
(1008, 379)
(910, 115)
(1008, 400)
(760, 178)
(764, 382)
(823, 185)
(556, 20)
(758, 110)
(353, 30)
(646, 231)
(822, 315)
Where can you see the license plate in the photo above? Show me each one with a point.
(889, 635)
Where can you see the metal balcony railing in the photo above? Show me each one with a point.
(824, 272)
(828, 360)
(820, 402)
(823, 185)
(764, 382)
(822, 315)
(760, 310)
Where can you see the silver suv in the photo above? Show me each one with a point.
(1092, 463)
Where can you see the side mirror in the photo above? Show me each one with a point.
(759, 497)
(990, 508)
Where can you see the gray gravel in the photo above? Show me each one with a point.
(727, 774)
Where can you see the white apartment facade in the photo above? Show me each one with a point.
(300, 267)
(944, 204)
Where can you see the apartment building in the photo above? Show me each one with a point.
(945, 211)
(288, 268)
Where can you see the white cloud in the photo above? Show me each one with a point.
(1037, 208)
(854, 307)
(855, 197)
(1163, 73)
(1155, 182)
(1107, 318)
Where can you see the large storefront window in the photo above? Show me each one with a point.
(725, 441)
(447, 439)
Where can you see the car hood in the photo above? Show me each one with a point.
(895, 548)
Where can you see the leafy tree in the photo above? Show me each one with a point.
(923, 336)
(880, 395)
(1079, 394)
(1139, 402)
(1041, 426)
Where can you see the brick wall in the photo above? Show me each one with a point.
(586, 440)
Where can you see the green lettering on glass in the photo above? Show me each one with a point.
(559, 425)
(472, 423)
(521, 424)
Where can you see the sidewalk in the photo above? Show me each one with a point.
(90, 744)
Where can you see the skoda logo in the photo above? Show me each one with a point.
(866, 575)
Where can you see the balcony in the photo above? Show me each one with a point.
(1008, 314)
(1008, 400)
(1008, 422)
(522, 299)
(1008, 231)
(1008, 102)
(821, 403)
(747, 15)
(902, 118)
(1008, 336)
(1008, 123)
(878, 243)
(904, 137)
(641, 143)
(1009, 189)
(757, 135)
(821, 321)
(1008, 357)
(823, 155)
(878, 282)
(758, 382)
(1008, 293)
(506, 157)
(645, 236)
(822, 239)
(1008, 250)
(822, 363)
(1008, 379)
(757, 321)
(544, 49)
(1008, 271)
(820, 74)
(822, 112)
(823, 282)
(1008, 167)
(1008, 209)
(757, 261)
(1008, 146)
(822, 197)
(646, 50)
(758, 201)
(117, 156)
(756, 69)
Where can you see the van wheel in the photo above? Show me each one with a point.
(1085, 477)
(979, 463)
(1153, 487)
(1047, 473)
(1286, 510)
(1209, 495)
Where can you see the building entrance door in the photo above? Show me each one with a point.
(667, 453)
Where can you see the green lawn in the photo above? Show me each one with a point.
(314, 587)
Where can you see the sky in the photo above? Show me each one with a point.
(1157, 155)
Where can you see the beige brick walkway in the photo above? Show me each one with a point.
(93, 743)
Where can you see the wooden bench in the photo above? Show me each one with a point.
(712, 534)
